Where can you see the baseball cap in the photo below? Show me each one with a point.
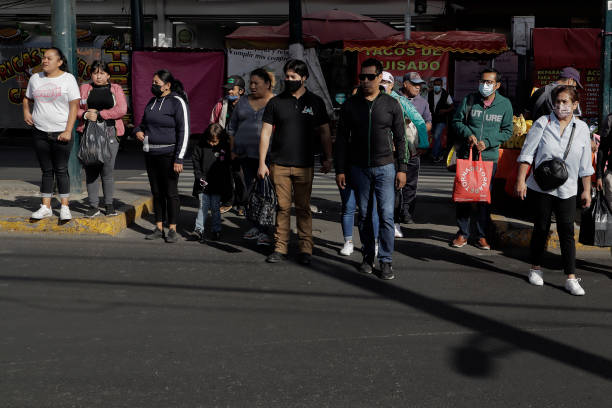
(386, 76)
(414, 77)
(234, 80)
(571, 73)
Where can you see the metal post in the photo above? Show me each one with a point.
(407, 22)
(137, 25)
(296, 47)
(63, 21)
(606, 63)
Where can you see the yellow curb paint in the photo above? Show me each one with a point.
(97, 225)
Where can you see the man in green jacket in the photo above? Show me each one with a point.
(483, 122)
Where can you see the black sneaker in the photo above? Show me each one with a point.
(172, 237)
(110, 210)
(156, 234)
(92, 212)
(365, 267)
(386, 271)
(304, 258)
(275, 257)
(215, 236)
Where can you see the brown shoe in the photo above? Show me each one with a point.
(483, 244)
(459, 242)
(225, 209)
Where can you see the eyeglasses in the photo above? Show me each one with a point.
(370, 77)
(483, 81)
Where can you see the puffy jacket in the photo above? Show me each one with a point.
(493, 125)
(165, 124)
(370, 136)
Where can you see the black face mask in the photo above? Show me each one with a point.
(292, 86)
(156, 90)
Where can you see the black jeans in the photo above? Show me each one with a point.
(53, 159)
(406, 202)
(565, 213)
(164, 187)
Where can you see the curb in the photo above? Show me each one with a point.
(97, 225)
(513, 235)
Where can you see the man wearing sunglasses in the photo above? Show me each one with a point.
(371, 135)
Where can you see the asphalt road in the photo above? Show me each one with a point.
(122, 322)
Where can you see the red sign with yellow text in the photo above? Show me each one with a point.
(428, 62)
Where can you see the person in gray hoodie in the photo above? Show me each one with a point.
(164, 131)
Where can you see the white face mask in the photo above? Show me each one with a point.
(486, 89)
(563, 111)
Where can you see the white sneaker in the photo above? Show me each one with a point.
(573, 287)
(42, 212)
(65, 213)
(535, 277)
(347, 249)
(398, 231)
(253, 233)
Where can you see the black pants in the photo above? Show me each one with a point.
(406, 201)
(53, 159)
(565, 213)
(164, 187)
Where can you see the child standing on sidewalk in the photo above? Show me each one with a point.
(211, 168)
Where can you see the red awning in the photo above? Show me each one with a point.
(562, 47)
(451, 41)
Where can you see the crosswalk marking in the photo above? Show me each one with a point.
(434, 181)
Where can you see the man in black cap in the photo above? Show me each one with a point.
(541, 103)
(412, 90)
(233, 90)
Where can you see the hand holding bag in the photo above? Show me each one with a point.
(95, 144)
(473, 180)
(261, 207)
(552, 174)
(596, 223)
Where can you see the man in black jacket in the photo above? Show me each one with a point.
(371, 134)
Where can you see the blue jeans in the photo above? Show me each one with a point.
(212, 202)
(437, 142)
(349, 205)
(375, 186)
(464, 212)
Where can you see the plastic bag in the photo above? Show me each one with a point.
(261, 206)
(472, 180)
(95, 144)
(451, 160)
(596, 223)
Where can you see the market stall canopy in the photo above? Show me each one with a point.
(562, 47)
(337, 25)
(322, 28)
(475, 42)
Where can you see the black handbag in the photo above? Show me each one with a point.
(261, 206)
(553, 173)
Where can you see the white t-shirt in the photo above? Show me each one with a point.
(52, 98)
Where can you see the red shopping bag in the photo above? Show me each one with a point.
(472, 180)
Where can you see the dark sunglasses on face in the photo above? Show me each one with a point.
(370, 77)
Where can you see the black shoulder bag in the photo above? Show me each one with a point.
(553, 173)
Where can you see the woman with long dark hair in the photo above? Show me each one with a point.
(164, 132)
(54, 96)
(102, 101)
(558, 135)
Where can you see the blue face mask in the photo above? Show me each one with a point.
(437, 88)
(232, 98)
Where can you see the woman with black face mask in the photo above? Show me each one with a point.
(164, 132)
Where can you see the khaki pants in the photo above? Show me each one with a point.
(296, 180)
